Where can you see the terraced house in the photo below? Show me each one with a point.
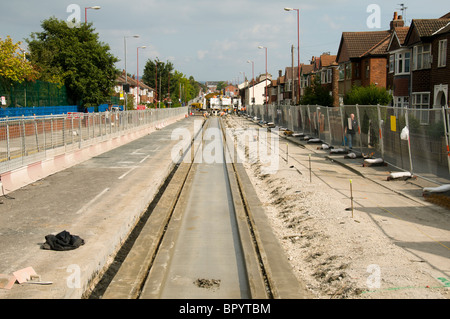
(412, 62)
(427, 41)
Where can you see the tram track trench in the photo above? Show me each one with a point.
(203, 243)
(204, 251)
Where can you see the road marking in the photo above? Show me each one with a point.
(83, 209)
(136, 152)
(144, 159)
(128, 172)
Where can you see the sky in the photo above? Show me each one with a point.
(213, 40)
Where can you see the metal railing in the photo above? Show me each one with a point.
(425, 153)
(26, 140)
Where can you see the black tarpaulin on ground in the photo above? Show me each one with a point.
(62, 241)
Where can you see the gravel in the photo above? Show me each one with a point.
(334, 254)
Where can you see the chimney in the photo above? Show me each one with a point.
(397, 22)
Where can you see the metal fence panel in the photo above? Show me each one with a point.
(425, 153)
(25, 140)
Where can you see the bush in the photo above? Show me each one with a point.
(371, 95)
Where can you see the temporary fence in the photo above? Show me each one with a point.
(414, 140)
(26, 140)
(37, 93)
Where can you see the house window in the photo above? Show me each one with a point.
(391, 63)
(442, 56)
(357, 75)
(402, 63)
(326, 76)
(367, 70)
(348, 71)
(422, 57)
(304, 81)
(341, 72)
(421, 102)
(401, 101)
(288, 86)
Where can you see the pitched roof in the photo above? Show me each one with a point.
(327, 60)
(307, 68)
(426, 27)
(397, 38)
(288, 72)
(358, 44)
(131, 81)
(401, 34)
(443, 30)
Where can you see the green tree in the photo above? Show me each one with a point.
(316, 94)
(14, 67)
(74, 56)
(158, 75)
(371, 95)
(170, 82)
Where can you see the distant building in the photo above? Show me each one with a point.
(146, 93)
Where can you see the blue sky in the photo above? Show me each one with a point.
(213, 40)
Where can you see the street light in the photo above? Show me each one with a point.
(126, 76)
(137, 52)
(267, 93)
(298, 44)
(253, 76)
(85, 11)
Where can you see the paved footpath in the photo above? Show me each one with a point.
(99, 200)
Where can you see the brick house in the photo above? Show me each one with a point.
(362, 60)
(399, 68)
(277, 89)
(146, 93)
(231, 91)
(327, 69)
(307, 75)
(291, 85)
(427, 40)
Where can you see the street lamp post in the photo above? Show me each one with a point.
(126, 76)
(298, 45)
(137, 53)
(253, 76)
(267, 93)
(85, 11)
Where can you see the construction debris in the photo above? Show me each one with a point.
(23, 276)
(438, 195)
(374, 162)
(399, 176)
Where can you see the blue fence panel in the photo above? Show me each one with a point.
(104, 107)
(42, 110)
(49, 110)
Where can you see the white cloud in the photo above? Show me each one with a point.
(201, 54)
